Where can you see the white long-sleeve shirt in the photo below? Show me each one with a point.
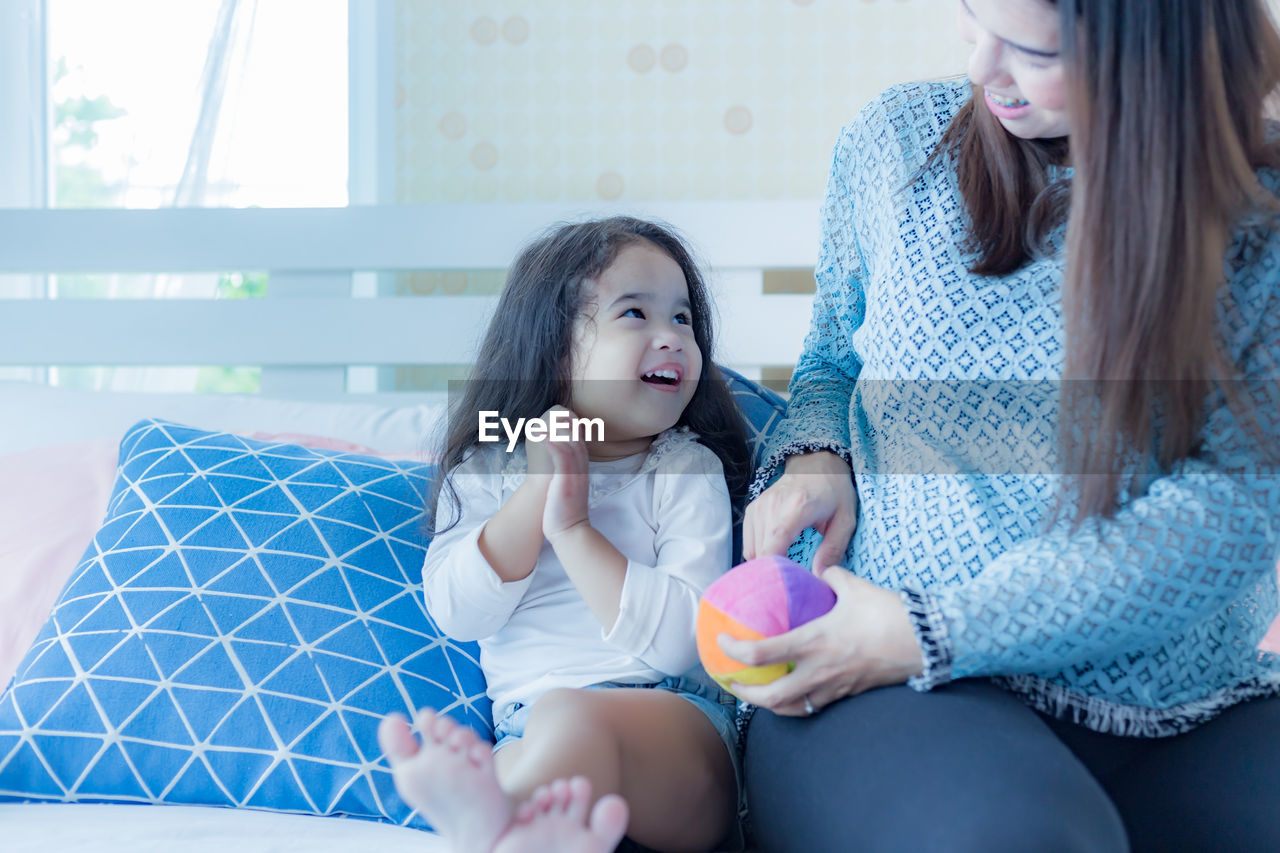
(666, 510)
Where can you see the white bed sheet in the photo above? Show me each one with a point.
(98, 828)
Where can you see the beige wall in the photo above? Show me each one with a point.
(510, 101)
(639, 100)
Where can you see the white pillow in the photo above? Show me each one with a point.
(35, 415)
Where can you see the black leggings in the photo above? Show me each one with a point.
(969, 767)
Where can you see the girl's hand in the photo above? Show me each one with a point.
(816, 491)
(865, 641)
(538, 456)
(566, 505)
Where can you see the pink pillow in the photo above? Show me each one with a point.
(52, 501)
(314, 441)
(342, 446)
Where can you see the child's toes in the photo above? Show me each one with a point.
(395, 738)
(442, 727)
(525, 812)
(480, 753)
(426, 721)
(578, 795)
(542, 799)
(609, 819)
(561, 796)
(461, 739)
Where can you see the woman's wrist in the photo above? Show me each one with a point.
(817, 462)
(932, 638)
(903, 646)
(891, 637)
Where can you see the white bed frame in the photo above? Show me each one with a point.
(324, 313)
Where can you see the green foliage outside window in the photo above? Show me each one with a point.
(75, 133)
(242, 286)
(234, 380)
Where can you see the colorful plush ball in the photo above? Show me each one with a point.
(760, 598)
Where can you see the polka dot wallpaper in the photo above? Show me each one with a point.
(642, 100)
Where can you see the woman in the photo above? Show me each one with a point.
(1082, 649)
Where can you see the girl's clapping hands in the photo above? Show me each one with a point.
(567, 490)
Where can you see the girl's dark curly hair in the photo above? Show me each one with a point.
(523, 365)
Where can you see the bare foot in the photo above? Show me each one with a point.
(555, 818)
(449, 778)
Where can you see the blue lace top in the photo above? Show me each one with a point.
(940, 388)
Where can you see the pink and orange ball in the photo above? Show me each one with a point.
(760, 598)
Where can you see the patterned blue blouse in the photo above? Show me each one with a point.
(941, 389)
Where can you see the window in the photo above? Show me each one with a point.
(211, 103)
(218, 103)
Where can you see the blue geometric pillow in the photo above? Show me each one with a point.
(762, 408)
(243, 619)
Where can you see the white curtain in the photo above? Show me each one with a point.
(223, 73)
(221, 81)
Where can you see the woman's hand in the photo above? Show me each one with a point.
(865, 641)
(816, 490)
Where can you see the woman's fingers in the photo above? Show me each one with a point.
(783, 696)
(750, 550)
(864, 641)
(766, 531)
(813, 681)
(774, 520)
(815, 491)
(835, 539)
(780, 649)
(791, 647)
(759, 514)
(779, 531)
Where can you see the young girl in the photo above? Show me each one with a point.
(578, 565)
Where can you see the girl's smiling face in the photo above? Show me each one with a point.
(635, 362)
(1016, 61)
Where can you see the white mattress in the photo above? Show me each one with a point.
(95, 828)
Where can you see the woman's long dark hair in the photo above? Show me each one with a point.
(523, 365)
(1166, 104)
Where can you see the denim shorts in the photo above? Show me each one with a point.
(718, 706)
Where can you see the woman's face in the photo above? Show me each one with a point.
(1017, 63)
